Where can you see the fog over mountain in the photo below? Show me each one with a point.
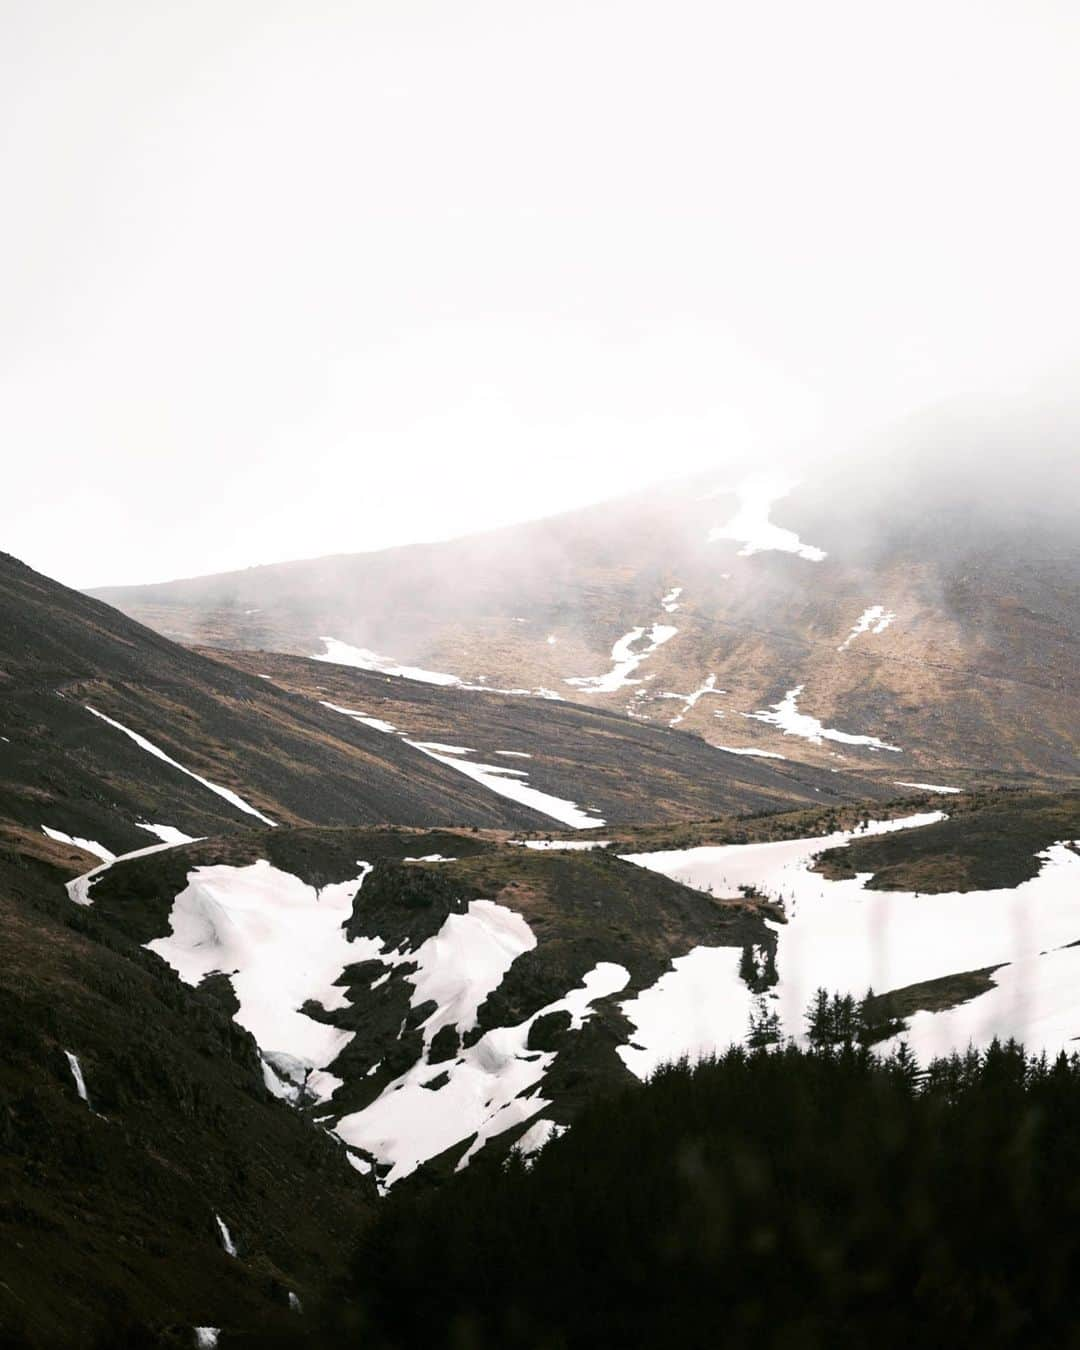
(539, 653)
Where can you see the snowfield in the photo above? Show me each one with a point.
(697, 1008)
(843, 937)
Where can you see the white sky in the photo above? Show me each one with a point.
(283, 279)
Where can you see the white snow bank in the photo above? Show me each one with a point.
(410, 1122)
(791, 722)
(513, 754)
(281, 942)
(873, 620)
(431, 857)
(626, 659)
(77, 1074)
(206, 1338)
(751, 527)
(224, 792)
(927, 787)
(749, 750)
(376, 723)
(697, 1009)
(670, 602)
(361, 658)
(507, 783)
(87, 845)
(445, 749)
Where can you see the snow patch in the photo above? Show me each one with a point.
(87, 845)
(342, 654)
(226, 1236)
(537, 1136)
(169, 835)
(281, 943)
(506, 783)
(626, 659)
(697, 1009)
(751, 527)
(873, 620)
(787, 717)
(750, 750)
(376, 723)
(927, 787)
(409, 1122)
(689, 701)
(77, 1074)
(670, 602)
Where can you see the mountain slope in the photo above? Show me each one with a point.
(915, 627)
(110, 1203)
(95, 705)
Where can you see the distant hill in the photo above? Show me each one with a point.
(916, 625)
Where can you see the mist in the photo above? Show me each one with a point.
(286, 283)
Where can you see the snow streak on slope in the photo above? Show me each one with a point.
(626, 660)
(787, 717)
(873, 620)
(508, 783)
(749, 750)
(410, 1122)
(144, 744)
(751, 527)
(497, 778)
(87, 845)
(342, 654)
(689, 701)
(697, 1009)
(77, 1074)
(670, 602)
(282, 943)
(927, 787)
(375, 723)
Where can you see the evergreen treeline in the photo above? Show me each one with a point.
(771, 1198)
